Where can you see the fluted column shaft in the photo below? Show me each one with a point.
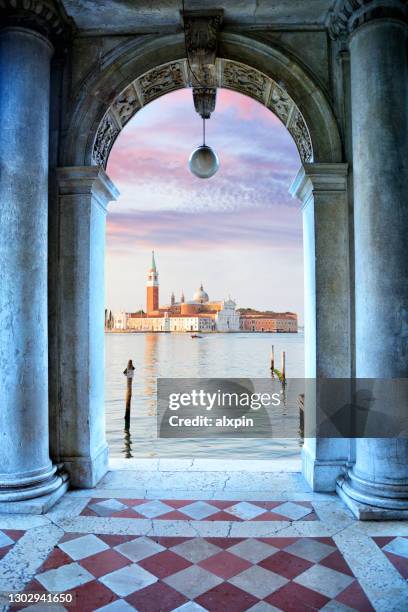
(25, 467)
(379, 89)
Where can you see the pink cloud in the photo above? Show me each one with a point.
(246, 202)
(202, 230)
(244, 107)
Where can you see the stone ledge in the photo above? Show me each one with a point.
(279, 464)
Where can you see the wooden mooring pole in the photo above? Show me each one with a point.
(272, 359)
(301, 404)
(128, 398)
(128, 372)
(283, 371)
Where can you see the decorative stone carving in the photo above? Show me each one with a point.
(159, 81)
(104, 140)
(257, 85)
(281, 103)
(45, 16)
(145, 89)
(126, 105)
(347, 15)
(245, 80)
(232, 75)
(201, 29)
(298, 128)
(204, 100)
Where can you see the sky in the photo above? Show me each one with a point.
(239, 232)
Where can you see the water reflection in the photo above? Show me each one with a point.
(150, 372)
(178, 355)
(127, 441)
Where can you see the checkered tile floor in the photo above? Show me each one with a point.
(116, 573)
(396, 550)
(201, 510)
(8, 537)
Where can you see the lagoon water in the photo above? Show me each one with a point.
(237, 355)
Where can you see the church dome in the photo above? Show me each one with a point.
(201, 296)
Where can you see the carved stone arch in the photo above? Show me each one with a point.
(129, 81)
(174, 75)
(127, 77)
(146, 88)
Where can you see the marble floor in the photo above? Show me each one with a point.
(164, 536)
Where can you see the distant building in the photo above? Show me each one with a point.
(120, 320)
(255, 321)
(152, 288)
(198, 315)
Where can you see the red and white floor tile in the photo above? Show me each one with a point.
(151, 574)
(211, 510)
(8, 537)
(117, 553)
(396, 551)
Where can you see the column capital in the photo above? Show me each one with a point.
(348, 15)
(87, 180)
(319, 178)
(47, 17)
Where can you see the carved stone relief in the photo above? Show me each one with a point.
(281, 103)
(204, 100)
(246, 80)
(257, 85)
(298, 128)
(146, 88)
(229, 74)
(159, 81)
(126, 105)
(201, 29)
(45, 16)
(104, 140)
(347, 15)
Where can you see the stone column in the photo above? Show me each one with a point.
(26, 471)
(84, 195)
(377, 486)
(322, 189)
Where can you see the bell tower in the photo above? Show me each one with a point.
(152, 288)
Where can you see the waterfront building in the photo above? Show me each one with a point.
(120, 320)
(199, 314)
(280, 322)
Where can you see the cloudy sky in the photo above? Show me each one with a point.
(240, 232)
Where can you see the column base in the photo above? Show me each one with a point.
(86, 472)
(370, 507)
(321, 475)
(20, 486)
(37, 505)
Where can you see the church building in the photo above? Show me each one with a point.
(198, 315)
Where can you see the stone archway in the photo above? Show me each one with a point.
(106, 99)
(134, 75)
(51, 298)
(174, 75)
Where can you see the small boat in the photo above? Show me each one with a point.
(196, 336)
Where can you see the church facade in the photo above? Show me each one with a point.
(198, 315)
